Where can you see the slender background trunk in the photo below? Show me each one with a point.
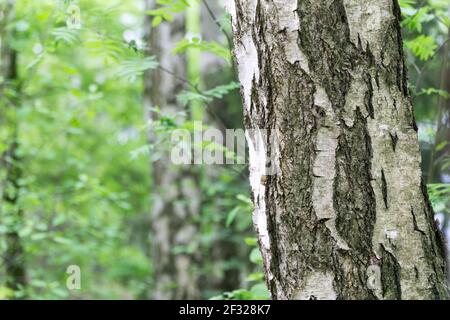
(443, 128)
(176, 200)
(440, 153)
(11, 212)
(217, 114)
(346, 215)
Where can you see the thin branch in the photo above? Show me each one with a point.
(181, 79)
(209, 108)
(217, 22)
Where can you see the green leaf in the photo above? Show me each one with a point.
(67, 35)
(157, 21)
(257, 276)
(231, 215)
(133, 68)
(439, 194)
(244, 199)
(405, 4)
(185, 97)
(252, 242)
(441, 146)
(430, 91)
(255, 256)
(206, 46)
(260, 292)
(103, 46)
(222, 90)
(422, 46)
(167, 10)
(6, 293)
(417, 17)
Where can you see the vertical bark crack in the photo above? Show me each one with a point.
(384, 189)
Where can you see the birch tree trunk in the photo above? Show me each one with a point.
(10, 210)
(346, 215)
(177, 197)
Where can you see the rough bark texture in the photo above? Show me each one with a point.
(13, 258)
(346, 216)
(176, 200)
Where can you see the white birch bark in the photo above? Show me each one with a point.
(346, 216)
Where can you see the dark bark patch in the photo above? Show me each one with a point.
(394, 140)
(368, 97)
(384, 189)
(325, 40)
(416, 227)
(354, 199)
(390, 276)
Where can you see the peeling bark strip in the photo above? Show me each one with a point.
(335, 222)
(176, 200)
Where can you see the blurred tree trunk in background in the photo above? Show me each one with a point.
(440, 154)
(346, 215)
(11, 215)
(442, 146)
(441, 150)
(176, 193)
(218, 116)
